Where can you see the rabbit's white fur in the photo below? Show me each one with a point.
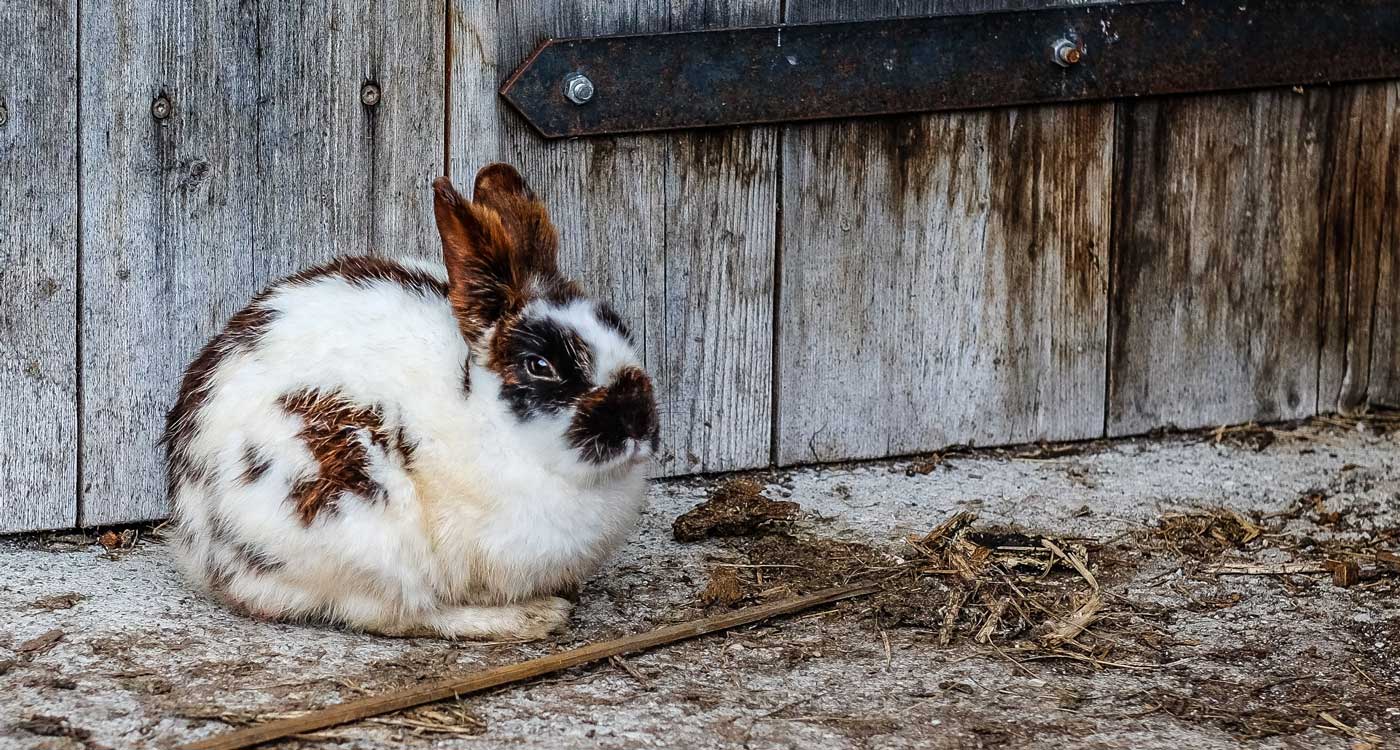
(494, 517)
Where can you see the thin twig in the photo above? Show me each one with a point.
(458, 686)
(627, 667)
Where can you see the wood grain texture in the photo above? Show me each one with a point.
(269, 162)
(677, 230)
(347, 178)
(166, 227)
(39, 185)
(943, 276)
(1360, 238)
(1217, 267)
(1383, 187)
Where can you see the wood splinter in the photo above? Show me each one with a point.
(455, 687)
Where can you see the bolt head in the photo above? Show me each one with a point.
(369, 94)
(578, 88)
(1067, 53)
(161, 108)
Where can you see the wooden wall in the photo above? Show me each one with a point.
(802, 293)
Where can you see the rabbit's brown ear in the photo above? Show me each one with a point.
(484, 279)
(501, 188)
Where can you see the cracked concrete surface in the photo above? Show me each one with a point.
(104, 648)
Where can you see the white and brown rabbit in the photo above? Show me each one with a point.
(416, 449)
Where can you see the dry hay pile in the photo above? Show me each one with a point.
(1026, 595)
(1000, 586)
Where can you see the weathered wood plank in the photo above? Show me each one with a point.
(943, 276)
(270, 161)
(1215, 315)
(677, 230)
(349, 177)
(1359, 237)
(721, 225)
(1383, 388)
(166, 229)
(39, 185)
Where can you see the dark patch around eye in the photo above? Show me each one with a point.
(609, 317)
(522, 338)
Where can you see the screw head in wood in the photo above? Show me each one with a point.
(578, 88)
(161, 108)
(369, 94)
(1067, 53)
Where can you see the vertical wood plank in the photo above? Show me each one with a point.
(166, 230)
(347, 178)
(721, 196)
(721, 242)
(1217, 269)
(943, 276)
(269, 162)
(39, 184)
(1383, 387)
(677, 230)
(1360, 237)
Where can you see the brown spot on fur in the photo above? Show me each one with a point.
(255, 465)
(335, 430)
(407, 446)
(244, 554)
(255, 560)
(366, 270)
(499, 356)
(242, 331)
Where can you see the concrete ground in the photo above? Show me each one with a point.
(108, 647)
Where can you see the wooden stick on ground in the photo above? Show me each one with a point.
(459, 686)
(1274, 569)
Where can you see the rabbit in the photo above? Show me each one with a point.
(416, 449)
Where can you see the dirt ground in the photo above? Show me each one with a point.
(1211, 590)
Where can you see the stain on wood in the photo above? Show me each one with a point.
(1383, 387)
(39, 188)
(1215, 315)
(268, 161)
(944, 277)
(678, 230)
(1360, 239)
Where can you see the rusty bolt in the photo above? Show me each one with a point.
(161, 107)
(577, 88)
(369, 94)
(1067, 53)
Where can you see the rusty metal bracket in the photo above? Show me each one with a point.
(627, 84)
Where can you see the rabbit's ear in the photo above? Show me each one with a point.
(485, 280)
(501, 188)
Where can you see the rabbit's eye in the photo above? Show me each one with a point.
(539, 367)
